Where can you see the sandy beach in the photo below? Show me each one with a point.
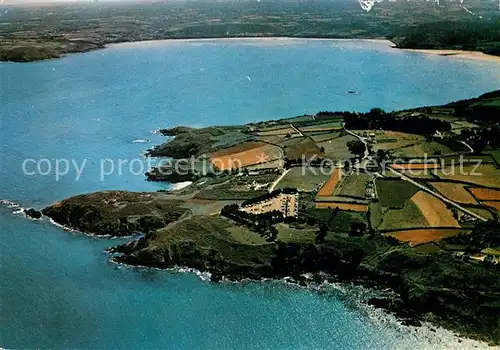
(260, 40)
(468, 55)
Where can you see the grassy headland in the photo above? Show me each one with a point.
(430, 237)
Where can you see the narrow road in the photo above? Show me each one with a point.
(467, 145)
(297, 130)
(435, 194)
(362, 139)
(275, 183)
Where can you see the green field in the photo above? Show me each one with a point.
(303, 179)
(336, 149)
(344, 220)
(354, 185)
(244, 235)
(324, 136)
(376, 214)
(394, 193)
(409, 216)
(430, 149)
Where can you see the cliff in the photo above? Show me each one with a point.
(434, 287)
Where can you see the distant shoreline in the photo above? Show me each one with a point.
(273, 40)
(276, 39)
(468, 55)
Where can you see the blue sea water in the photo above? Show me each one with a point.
(58, 290)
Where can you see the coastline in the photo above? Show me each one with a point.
(276, 40)
(456, 54)
(349, 294)
(271, 39)
(460, 54)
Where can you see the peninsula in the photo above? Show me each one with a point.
(362, 198)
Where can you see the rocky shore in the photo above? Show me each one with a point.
(419, 286)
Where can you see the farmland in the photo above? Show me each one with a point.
(394, 193)
(233, 224)
(430, 149)
(392, 140)
(434, 210)
(322, 127)
(342, 206)
(416, 166)
(485, 175)
(244, 155)
(354, 185)
(324, 136)
(409, 216)
(336, 148)
(305, 148)
(277, 132)
(495, 205)
(454, 191)
(485, 194)
(420, 236)
(303, 178)
(329, 187)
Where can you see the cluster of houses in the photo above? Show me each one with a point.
(287, 204)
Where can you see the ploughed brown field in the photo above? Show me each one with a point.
(242, 147)
(416, 166)
(495, 205)
(420, 236)
(331, 184)
(435, 211)
(246, 154)
(342, 206)
(486, 194)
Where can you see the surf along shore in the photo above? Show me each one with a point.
(218, 225)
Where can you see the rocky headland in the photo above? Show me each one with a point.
(423, 287)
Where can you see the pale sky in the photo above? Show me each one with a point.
(7, 2)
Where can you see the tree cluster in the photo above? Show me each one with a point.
(378, 119)
(270, 195)
(484, 235)
(260, 223)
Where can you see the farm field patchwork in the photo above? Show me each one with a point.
(342, 206)
(354, 185)
(454, 191)
(324, 136)
(329, 187)
(336, 149)
(410, 216)
(435, 211)
(237, 149)
(277, 132)
(385, 140)
(485, 175)
(305, 179)
(484, 211)
(394, 193)
(322, 127)
(245, 155)
(304, 148)
(376, 214)
(421, 236)
(416, 166)
(429, 148)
